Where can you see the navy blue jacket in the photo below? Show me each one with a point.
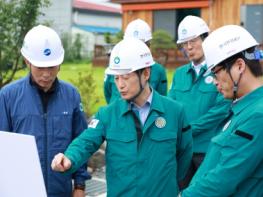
(22, 112)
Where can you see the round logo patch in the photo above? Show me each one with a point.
(117, 60)
(160, 122)
(226, 125)
(81, 107)
(135, 34)
(47, 52)
(184, 31)
(209, 79)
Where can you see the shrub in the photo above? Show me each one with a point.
(86, 86)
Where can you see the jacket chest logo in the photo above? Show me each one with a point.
(209, 79)
(160, 122)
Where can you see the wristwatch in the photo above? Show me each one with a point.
(80, 186)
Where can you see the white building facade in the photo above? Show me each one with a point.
(89, 18)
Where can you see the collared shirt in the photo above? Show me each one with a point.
(144, 110)
(198, 67)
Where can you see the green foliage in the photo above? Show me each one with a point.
(118, 37)
(86, 86)
(16, 18)
(70, 72)
(162, 40)
(107, 38)
(73, 46)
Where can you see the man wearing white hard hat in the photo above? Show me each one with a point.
(205, 106)
(43, 106)
(148, 142)
(158, 80)
(233, 165)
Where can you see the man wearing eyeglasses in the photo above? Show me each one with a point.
(205, 106)
(233, 165)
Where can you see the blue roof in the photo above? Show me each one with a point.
(97, 29)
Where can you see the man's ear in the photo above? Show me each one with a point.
(147, 73)
(241, 65)
(27, 63)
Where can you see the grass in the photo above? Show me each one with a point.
(69, 72)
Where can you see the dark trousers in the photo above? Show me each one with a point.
(197, 159)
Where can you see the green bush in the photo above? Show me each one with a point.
(73, 46)
(162, 40)
(118, 37)
(86, 85)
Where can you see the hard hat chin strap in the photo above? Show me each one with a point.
(235, 87)
(138, 72)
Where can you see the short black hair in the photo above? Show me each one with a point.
(203, 36)
(253, 64)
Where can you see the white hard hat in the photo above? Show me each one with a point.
(191, 27)
(138, 29)
(128, 56)
(42, 47)
(225, 42)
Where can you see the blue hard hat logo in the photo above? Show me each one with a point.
(136, 34)
(47, 52)
(117, 60)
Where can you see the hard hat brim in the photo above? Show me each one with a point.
(110, 71)
(43, 64)
(186, 39)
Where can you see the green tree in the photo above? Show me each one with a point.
(107, 38)
(118, 37)
(86, 86)
(73, 46)
(161, 43)
(16, 18)
(162, 40)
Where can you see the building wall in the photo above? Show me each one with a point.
(97, 19)
(88, 40)
(58, 15)
(223, 12)
(219, 12)
(128, 16)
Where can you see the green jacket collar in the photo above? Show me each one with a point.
(189, 68)
(156, 105)
(247, 100)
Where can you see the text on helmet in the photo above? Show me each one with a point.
(145, 55)
(230, 41)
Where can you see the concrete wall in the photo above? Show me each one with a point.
(58, 15)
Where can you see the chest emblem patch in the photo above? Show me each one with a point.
(160, 122)
(93, 123)
(209, 79)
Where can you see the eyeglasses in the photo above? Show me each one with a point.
(190, 42)
(215, 71)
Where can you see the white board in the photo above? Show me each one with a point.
(20, 171)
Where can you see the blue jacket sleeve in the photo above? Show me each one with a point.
(5, 119)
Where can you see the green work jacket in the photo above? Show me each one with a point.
(158, 81)
(233, 165)
(151, 168)
(205, 107)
